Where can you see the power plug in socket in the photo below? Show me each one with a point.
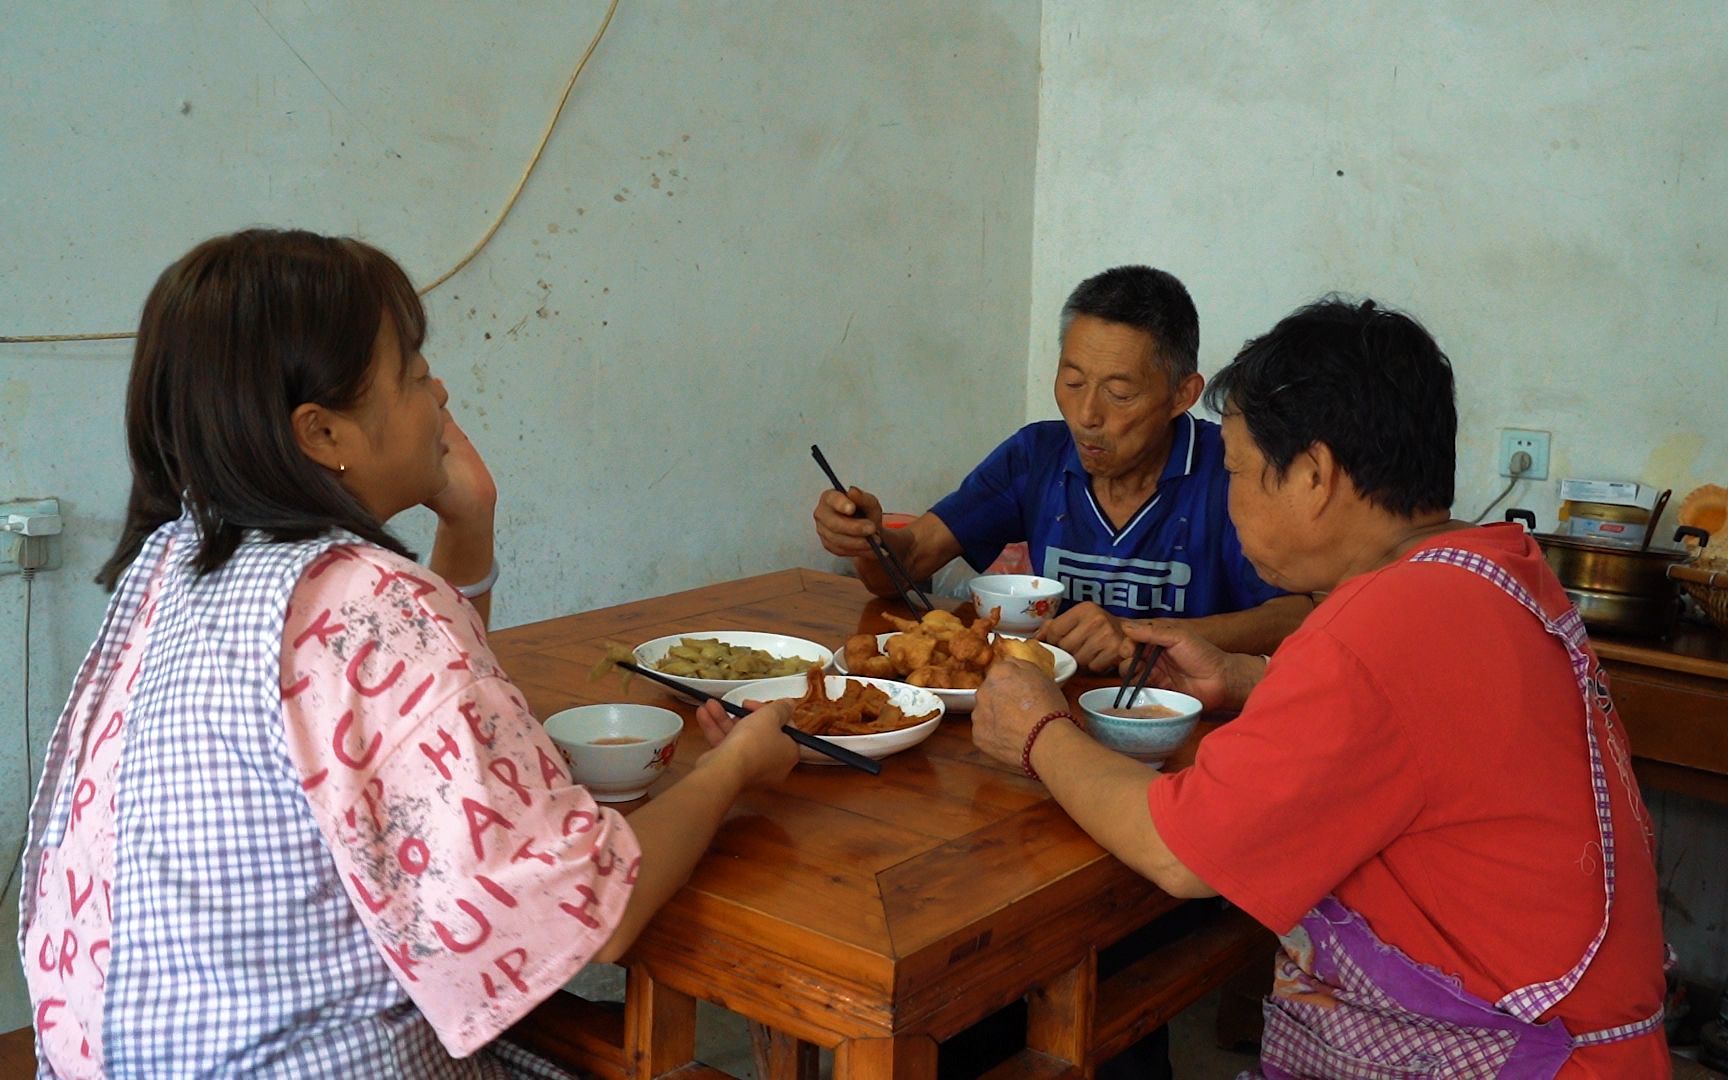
(1534, 443)
(43, 551)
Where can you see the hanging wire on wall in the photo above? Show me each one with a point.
(29, 745)
(486, 238)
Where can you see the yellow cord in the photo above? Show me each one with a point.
(497, 222)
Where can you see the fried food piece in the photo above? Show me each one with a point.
(942, 625)
(872, 699)
(858, 649)
(1030, 651)
(877, 667)
(890, 718)
(930, 675)
(972, 651)
(825, 717)
(905, 626)
(985, 625)
(910, 651)
(964, 679)
(815, 687)
(860, 710)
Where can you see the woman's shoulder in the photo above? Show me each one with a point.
(359, 585)
(1452, 585)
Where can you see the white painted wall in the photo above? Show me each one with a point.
(1543, 185)
(759, 225)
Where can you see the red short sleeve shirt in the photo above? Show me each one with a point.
(1418, 750)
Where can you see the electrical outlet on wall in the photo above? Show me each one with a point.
(1516, 441)
(35, 542)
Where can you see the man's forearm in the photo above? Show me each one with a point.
(875, 576)
(1256, 630)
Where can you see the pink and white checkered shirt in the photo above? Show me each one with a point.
(370, 867)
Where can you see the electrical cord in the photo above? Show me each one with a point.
(1519, 465)
(29, 575)
(497, 222)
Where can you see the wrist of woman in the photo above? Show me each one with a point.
(1032, 738)
(1245, 673)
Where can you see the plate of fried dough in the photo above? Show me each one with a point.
(873, 717)
(944, 655)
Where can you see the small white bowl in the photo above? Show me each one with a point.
(651, 652)
(616, 751)
(1027, 602)
(962, 701)
(911, 699)
(1151, 740)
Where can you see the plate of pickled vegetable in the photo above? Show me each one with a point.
(720, 660)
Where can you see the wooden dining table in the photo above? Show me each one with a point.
(874, 916)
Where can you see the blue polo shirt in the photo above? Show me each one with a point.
(1178, 556)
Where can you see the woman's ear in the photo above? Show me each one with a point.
(1322, 477)
(319, 433)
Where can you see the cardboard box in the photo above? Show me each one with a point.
(1613, 492)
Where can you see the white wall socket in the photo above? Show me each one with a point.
(12, 544)
(1534, 443)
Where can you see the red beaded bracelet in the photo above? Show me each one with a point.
(1032, 737)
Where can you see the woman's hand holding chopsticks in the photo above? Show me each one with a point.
(1190, 664)
(754, 744)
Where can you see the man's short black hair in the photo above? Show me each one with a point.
(1149, 300)
(1368, 382)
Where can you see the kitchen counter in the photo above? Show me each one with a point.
(1672, 696)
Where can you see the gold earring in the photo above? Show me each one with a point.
(341, 468)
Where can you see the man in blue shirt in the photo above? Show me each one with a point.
(1123, 500)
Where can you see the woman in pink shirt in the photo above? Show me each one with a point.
(295, 820)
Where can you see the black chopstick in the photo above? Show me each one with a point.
(802, 738)
(903, 583)
(1139, 671)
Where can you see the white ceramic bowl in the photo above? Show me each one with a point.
(649, 652)
(961, 701)
(911, 699)
(594, 738)
(1027, 602)
(1151, 740)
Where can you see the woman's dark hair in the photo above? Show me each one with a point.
(1151, 301)
(1368, 382)
(235, 335)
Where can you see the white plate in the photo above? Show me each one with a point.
(911, 699)
(961, 701)
(650, 652)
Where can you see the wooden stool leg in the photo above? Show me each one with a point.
(782, 1057)
(1059, 1014)
(906, 1057)
(659, 1027)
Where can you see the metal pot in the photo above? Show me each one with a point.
(1618, 589)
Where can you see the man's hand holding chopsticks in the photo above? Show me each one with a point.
(845, 522)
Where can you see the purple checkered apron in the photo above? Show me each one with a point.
(235, 949)
(1391, 1018)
